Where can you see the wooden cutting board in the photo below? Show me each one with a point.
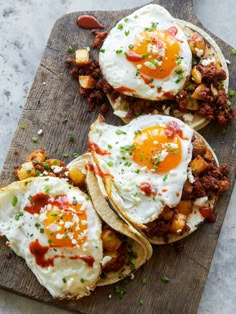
(53, 100)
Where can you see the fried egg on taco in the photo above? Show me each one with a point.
(161, 65)
(158, 173)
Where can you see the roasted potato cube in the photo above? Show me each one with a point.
(197, 76)
(197, 45)
(55, 162)
(110, 240)
(198, 164)
(178, 223)
(26, 170)
(37, 155)
(192, 104)
(86, 81)
(199, 147)
(167, 213)
(109, 258)
(76, 175)
(185, 207)
(208, 155)
(196, 94)
(81, 57)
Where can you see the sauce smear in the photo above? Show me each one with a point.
(146, 188)
(88, 22)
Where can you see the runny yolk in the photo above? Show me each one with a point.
(155, 53)
(66, 224)
(156, 150)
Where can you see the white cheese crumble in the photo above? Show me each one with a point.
(199, 52)
(166, 110)
(201, 201)
(152, 65)
(56, 169)
(139, 66)
(188, 117)
(131, 276)
(154, 49)
(68, 224)
(40, 132)
(208, 61)
(105, 260)
(190, 175)
(59, 236)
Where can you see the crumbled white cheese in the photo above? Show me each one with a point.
(166, 110)
(45, 173)
(40, 132)
(68, 224)
(44, 83)
(199, 52)
(109, 296)
(201, 201)
(54, 227)
(227, 61)
(74, 241)
(131, 276)
(139, 66)
(161, 155)
(105, 260)
(152, 65)
(191, 178)
(56, 169)
(59, 236)
(208, 61)
(154, 49)
(188, 117)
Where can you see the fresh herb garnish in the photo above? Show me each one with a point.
(14, 201)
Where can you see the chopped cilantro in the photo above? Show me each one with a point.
(70, 49)
(144, 280)
(141, 302)
(82, 280)
(233, 51)
(137, 170)
(118, 52)
(46, 189)
(102, 50)
(34, 139)
(145, 55)
(66, 155)
(131, 46)
(119, 132)
(37, 225)
(110, 163)
(231, 93)
(22, 126)
(14, 201)
(127, 33)
(165, 279)
(120, 291)
(179, 71)
(109, 146)
(49, 241)
(75, 155)
(165, 177)
(45, 165)
(126, 19)
(18, 215)
(71, 138)
(120, 26)
(41, 230)
(64, 280)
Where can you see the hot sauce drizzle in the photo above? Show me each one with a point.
(172, 129)
(88, 22)
(124, 89)
(95, 148)
(146, 188)
(39, 251)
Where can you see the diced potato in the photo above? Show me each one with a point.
(198, 164)
(196, 94)
(113, 257)
(178, 223)
(167, 213)
(76, 175)
(197, 45)
(81, 57)
(185, 207)
(110, 240)
(86, 81)
(37, 155)
(197, 76)
(208, 155)
(199, 147)
(54, 162)
(26, 170)
(192, 104)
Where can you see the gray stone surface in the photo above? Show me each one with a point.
(24, 29)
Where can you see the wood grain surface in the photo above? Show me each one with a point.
(53, 100)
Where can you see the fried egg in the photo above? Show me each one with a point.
(142, 165)
(146, 55)
(55, 228)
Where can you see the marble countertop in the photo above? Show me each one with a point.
(24, 29)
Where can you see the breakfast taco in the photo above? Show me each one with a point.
(118, 235)
(51, 223)
(152, 63)
(158, 173)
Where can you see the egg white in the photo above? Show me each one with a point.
(125, 189)
(120, 72)
(67, 278)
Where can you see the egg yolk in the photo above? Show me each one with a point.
(154, 53)
(66, 224)
(154, 149)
